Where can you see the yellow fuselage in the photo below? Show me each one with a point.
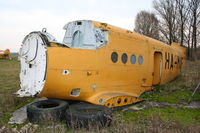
(102, 81)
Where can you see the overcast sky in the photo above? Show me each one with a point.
(20, 17)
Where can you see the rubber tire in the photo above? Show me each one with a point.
(88, 115)
(51, 110)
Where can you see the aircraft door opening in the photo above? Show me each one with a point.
(157, 70)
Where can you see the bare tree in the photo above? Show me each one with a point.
(166, 9)
(195, 13)
(146, 23)
(180, 22)
(182, 8)
(188, 36)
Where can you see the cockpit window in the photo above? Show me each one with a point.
(83, 35)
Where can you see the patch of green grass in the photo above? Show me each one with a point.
(175, 97)
(6, 117)
(183, 116)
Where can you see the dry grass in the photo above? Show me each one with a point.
(9, 84)
(191, 74)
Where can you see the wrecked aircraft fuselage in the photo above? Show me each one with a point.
(96, 63)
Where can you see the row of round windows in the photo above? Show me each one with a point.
(124, 58)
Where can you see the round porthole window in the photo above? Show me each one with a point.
(114, 57)
(124, 58)
(133, 59)
(140, 59)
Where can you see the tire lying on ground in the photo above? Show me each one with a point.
(88, 115)
(50, 110)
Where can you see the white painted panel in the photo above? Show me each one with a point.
(33, 61)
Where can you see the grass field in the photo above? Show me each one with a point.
(166, 119)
